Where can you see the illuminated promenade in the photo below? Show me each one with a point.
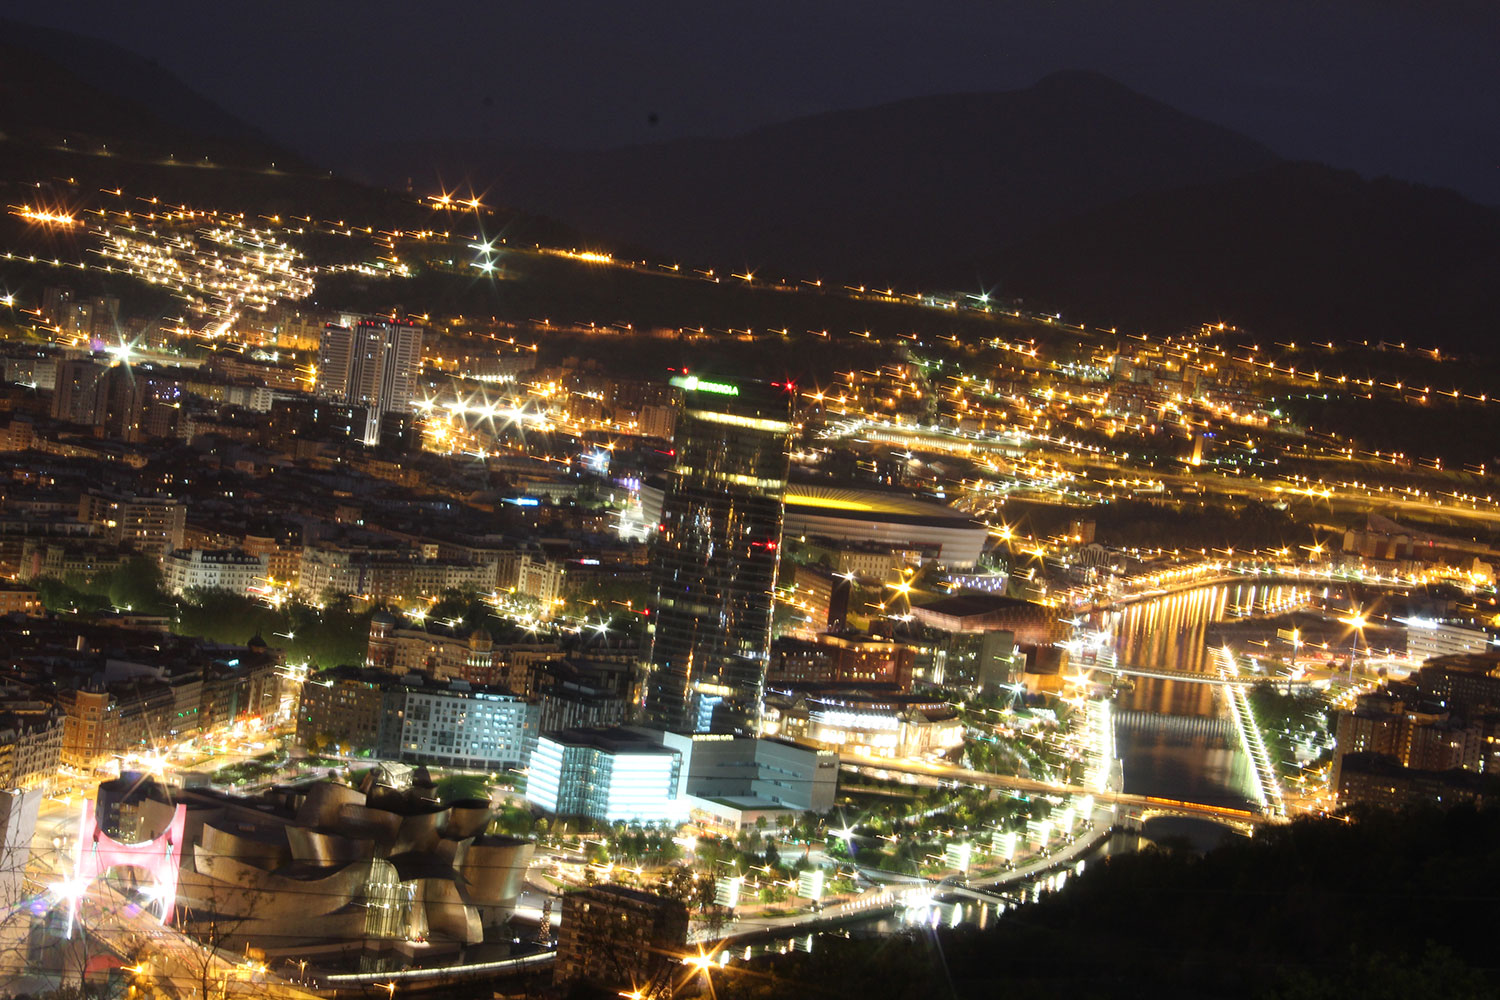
(1147, 804)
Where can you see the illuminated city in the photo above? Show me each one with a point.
(777, 584)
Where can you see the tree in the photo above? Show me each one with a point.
(223, 914)
(678, 883)
(138, 584)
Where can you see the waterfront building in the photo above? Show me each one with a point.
(716, 556)
(841, 659)
(321, 866)
(875, 725)
(1029, 623)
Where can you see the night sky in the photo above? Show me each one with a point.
(1410, 89)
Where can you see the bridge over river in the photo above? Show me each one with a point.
(1192, 676)
(1141, 806)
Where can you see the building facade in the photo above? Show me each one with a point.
(716, 556)
(618, 938)
(604, 774)
(843, 660)
(455, 724)
(342, 707)
(152, 526)
(30, 748)
(1426, 639)
(213, 569)
(374, 365)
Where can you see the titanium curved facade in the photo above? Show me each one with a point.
(326, 863)
(716, 554)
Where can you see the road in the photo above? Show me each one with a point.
(174, 962)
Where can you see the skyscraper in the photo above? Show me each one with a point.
(716, 555)
(375, 365)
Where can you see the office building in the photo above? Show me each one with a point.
(618, 938)
(745, 773)
(605, 774)
(374, 365)
(716, 556)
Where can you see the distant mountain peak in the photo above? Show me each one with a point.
(1081, 80)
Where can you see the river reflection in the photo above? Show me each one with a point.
(1171, 632)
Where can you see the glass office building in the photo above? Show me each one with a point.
(716, 554)
(605, 774)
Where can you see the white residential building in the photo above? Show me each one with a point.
(213, 569)
(453, 724)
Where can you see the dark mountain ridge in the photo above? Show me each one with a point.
(1076, 194)
(919, 190)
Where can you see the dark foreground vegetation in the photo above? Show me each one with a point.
(1372, 905)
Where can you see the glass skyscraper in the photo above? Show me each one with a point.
(716, 554)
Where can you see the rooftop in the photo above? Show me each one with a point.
(611, 740)
(885, 505)
(970, 605)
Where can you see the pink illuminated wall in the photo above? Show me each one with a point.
(98, 853)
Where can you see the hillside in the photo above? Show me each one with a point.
(1076, 194)
(1297, 249)
(69, 147)
(61, 89)
(917, 191)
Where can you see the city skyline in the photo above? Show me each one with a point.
(822, 558)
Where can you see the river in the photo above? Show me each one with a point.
(1171, 632)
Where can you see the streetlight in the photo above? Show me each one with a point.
(1356, 621)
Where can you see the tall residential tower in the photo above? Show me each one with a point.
(716, 555)
(374, 365)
